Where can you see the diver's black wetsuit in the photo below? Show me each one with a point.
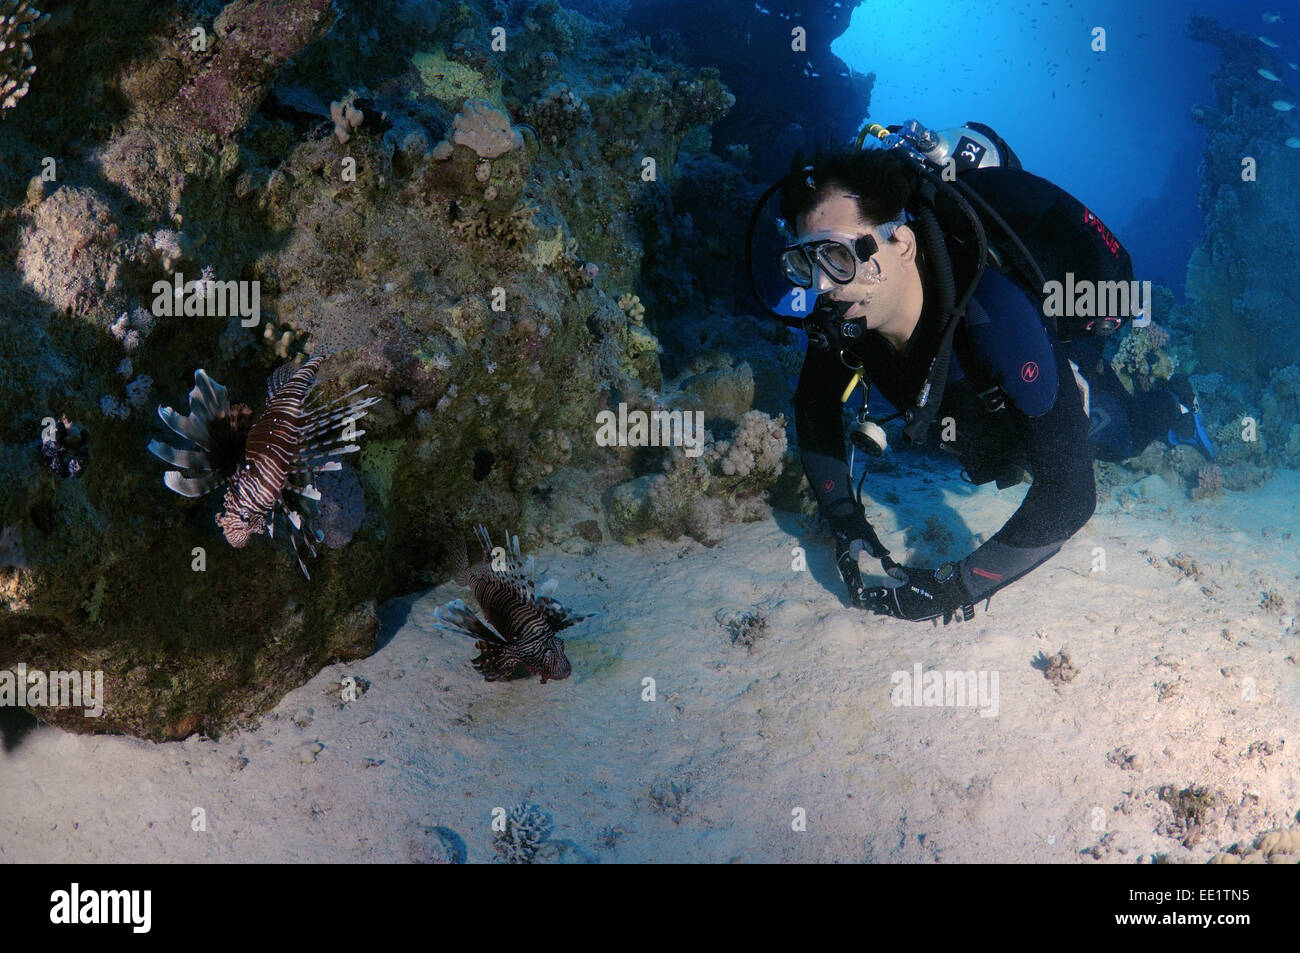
(1043, 428)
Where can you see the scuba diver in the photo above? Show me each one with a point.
(931, 286)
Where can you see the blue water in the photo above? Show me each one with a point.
(1114, 128)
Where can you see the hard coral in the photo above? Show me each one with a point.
(752, 460)
(18, 21)
(703, 100)
(515, 231)
(557, 114)
(67, 253)
(484, 129)
(527, 827)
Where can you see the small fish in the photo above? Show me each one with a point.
(1271, 18)
(1282, 106)
(1268, 75)
(518, 629)
(1267, 42)
(1293, 143)
(1293, 66)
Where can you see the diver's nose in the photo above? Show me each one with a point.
(821, 281)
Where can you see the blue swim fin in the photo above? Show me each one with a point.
(1189, 431)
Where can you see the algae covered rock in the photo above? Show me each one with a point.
(473, 286)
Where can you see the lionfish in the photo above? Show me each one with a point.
(269, 464)
(517, 633)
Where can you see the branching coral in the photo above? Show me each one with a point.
(527, 827)
(515, 231)
(752, 460)
(633, 308)
(18, 21)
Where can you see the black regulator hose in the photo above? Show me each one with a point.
(918, 425)
(788, 321)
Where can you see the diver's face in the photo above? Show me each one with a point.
(836, 217)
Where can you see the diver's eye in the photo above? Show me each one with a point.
(838, 262)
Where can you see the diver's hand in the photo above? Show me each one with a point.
(925, 594)
(853, 536)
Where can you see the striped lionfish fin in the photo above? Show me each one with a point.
(520, 587)
(456, 618)
(282, 375)
(190, 486)
(519, 571)
(190, 459)
(193, 428)
(210, 396)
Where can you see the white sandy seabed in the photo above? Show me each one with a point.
(1183, 681)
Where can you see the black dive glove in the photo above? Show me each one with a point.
(925, 594)
(853, 535)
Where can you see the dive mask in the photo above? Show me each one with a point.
(836, 259)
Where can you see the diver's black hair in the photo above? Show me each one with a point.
(883, 180)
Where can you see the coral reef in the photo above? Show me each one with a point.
(1272, 847)
(1280, 410)
(745, 628)
(18, 21)
(1241, 284)
(1209, 482)
(487, 131)
(699, 495)
(65, 447)
(461, 281)
(1141, 359)
(557, 114)
(527, 828)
